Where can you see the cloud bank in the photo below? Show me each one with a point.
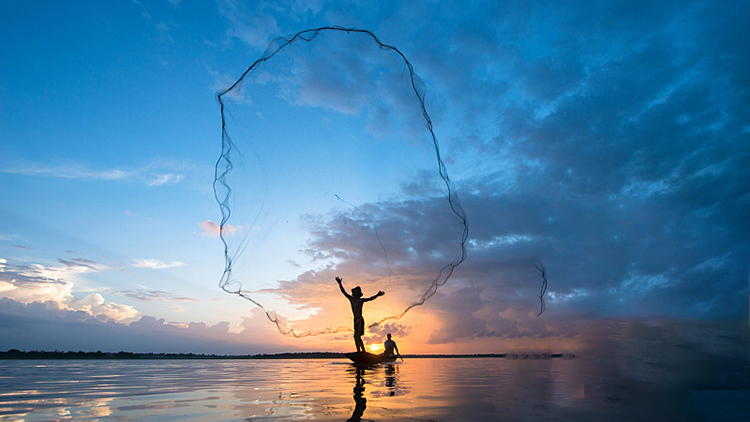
(608, 142)
(53, 285)
(44, 326)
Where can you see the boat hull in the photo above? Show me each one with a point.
(364, 358)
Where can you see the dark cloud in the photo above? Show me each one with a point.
(607, 141)
(378, 334)
(629, 174)
(604, 256)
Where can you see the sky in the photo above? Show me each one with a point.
(607, 141)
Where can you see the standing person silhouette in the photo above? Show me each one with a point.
(356, 300)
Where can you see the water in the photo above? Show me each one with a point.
(458, 389)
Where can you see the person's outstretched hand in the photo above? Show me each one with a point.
(338, 279)
(381, 293)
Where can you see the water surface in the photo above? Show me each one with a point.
(434, 389)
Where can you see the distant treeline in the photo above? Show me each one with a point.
(56, 354)
(43, 354)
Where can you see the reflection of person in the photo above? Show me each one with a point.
(390, 379)
(391, 350)
(356, 300)
(360, 402)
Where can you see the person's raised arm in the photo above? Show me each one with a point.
(338, 280)
(373, 297)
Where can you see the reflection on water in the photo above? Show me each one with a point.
(390, 379)
(360, 401)
(611, 387)
(383, 381)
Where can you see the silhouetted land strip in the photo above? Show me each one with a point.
(36, 354)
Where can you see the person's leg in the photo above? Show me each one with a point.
(359, 343)
(359, 330)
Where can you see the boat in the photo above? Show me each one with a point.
(364, 358)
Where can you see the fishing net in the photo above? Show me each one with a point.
(329, 167)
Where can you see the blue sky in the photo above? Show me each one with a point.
(608, 141)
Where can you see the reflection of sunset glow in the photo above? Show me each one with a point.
(425, 389)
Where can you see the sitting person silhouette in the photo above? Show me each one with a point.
(356, 300)
(391, 350)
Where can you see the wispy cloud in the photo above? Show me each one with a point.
(153, 295)
(249, 22)
(209, 228)
(155, 264)
(165, 179)
(67, 171)
(76, 263)
(163, 28)
(12, 238)
(222, 81)
(161, 173)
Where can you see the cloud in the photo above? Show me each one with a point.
(153, 174)
(68, 171)
(209, 228)
(153, 295)
(53, 285)
(222, 81)
(601, 261)
(44, 326)
(250, 23)
(155, 264)
(165, 179)
(163, 28)
(608, 143)
(379, 333)
(95, 304)
(367, 81)
(79, 263)
(11, 237)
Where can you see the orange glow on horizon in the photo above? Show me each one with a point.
(376, 348)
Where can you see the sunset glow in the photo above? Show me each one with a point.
(376, 348)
